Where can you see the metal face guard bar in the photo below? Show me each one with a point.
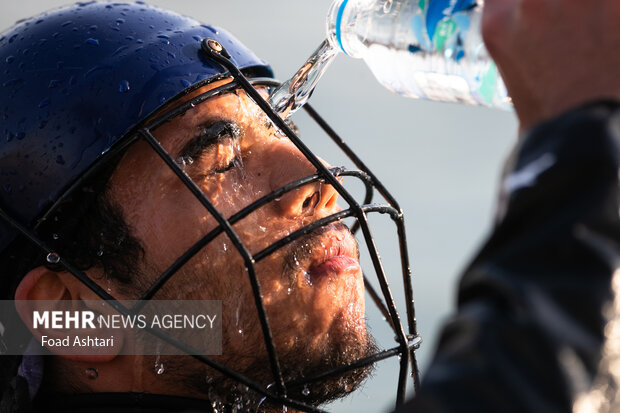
(408, 343)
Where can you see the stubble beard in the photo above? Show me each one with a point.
(299, 363)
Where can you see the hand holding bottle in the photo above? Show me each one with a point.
(554, 54)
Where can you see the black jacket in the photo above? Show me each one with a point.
(536, 305)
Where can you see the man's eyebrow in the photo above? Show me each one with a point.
(208, 136)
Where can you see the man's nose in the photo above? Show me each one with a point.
(316, 198)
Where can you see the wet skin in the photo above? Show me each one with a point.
(312, 289)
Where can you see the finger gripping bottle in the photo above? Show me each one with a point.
(430, 49)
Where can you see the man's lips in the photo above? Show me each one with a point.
(324, 254)
(334, 265)
(339, 256)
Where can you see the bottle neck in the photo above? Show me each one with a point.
(344, 21)
(334, 24)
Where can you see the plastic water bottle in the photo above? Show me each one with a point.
(430, 49)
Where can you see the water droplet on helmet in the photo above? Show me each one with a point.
(44, 103)
(164, 38)
(161, 369)
(67, 23)
(9, 59)
(12, 82)
(120, 21)
(210, 28)
(241, 332)
(94, 42)
(55, 236)
(305, 391)
(120, 49)
(53, 83)
(60, 160)
(186, 83)
(123, 87)
(53, 258)
(93, 27)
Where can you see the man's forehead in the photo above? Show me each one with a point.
(231, 105)
(171, 106)
(205, 89)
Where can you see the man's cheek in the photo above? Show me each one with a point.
(225, 192)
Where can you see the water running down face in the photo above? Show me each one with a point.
(312, 288)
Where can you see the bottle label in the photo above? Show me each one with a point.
(442, 19)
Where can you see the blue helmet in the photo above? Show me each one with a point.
(77, 79)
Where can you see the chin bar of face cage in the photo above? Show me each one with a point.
(277, 391)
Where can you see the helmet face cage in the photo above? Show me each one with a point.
(408, 341)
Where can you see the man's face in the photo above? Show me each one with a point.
(312, 288)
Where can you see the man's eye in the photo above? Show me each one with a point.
(233, 162)
(209, 138)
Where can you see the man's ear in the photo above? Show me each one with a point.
(44, 284)
(59, 290)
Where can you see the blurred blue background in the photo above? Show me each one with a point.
(441, 161)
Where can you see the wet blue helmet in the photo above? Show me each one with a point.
(75, 80)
